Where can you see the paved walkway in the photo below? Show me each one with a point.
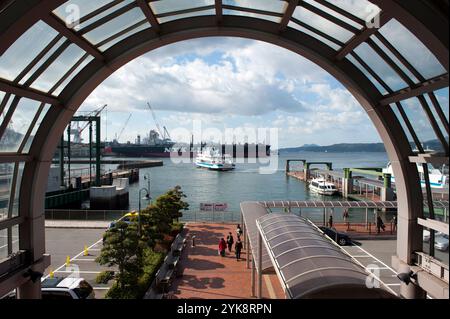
(206, 275)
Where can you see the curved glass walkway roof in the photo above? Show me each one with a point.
(310, 265)
(393, 58)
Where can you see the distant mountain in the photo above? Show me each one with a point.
(353, 147)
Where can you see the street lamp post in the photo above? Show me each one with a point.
(147, 197)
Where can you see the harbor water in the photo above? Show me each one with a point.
(245, 183)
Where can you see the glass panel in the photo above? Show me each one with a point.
(187, 15)
(412, 49)
(394, 59)
(334, 13)
(104, 13)
(442, 97)
(42, 60)
(314, 35)
(27, 146)
(436, 116)
(72, 9)
(6, 180)
(176, 5)
(58, 68)
(266, 5)
(322, 24)
(115, 25)
(418, 119)
(25, 49)
(380, 67)
(19, 124)
(143, 26)
(3, 243)
(15, 239)
(362, 9)
(253, 15)
(74, 73)
(5, 111)
(402, 123)
(15, 207)
(367, 74)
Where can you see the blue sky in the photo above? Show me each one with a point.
(230, 83)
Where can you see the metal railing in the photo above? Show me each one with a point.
(83, 214)
(212, 216)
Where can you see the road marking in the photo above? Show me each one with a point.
(378, 268)
(100, 288)
(372, 268)
(78, 271)
(76, 256)
(361, 256)
(83, 259)
(393, 284)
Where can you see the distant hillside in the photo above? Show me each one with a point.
(353, 147)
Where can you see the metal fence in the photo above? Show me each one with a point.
(83, 214)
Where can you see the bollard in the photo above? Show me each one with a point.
(86, 251)
(193, 241)
(67, 261)
(51, 274)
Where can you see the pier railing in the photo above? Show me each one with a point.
(83, 214)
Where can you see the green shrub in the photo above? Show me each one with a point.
(104, 277)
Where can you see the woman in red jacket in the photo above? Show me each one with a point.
(222, 247)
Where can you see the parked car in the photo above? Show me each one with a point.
(426, 235)
(62, 288)
(441, 242)
(127, 218)
(342, 239)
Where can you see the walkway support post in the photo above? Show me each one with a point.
(347, 183)
(247, 249)
(259, 266)
(253, 277)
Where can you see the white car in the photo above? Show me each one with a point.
(426, 235)
(62, 288)
(441, 242)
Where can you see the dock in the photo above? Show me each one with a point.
(122, 164)
(355, 187)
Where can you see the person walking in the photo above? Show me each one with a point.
(222, 247)
(238, 230)
(330, 221)
(345, 216)
(380, 224)
(230, 242)
(394, 223)
(238, 248)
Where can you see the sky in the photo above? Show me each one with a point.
(231, 83)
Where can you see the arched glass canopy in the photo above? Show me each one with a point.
(392, 58)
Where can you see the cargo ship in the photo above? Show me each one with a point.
(152, 146)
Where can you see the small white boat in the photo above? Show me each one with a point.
(322, 186)
(213, 160)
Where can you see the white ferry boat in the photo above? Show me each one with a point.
(322, 186)
(438, 179)
(213, 160)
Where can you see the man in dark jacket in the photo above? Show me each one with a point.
(230, 242)
(238, 248)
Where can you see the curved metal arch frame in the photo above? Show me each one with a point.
(428, 30)
(96, 72)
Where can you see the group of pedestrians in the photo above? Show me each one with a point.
(223, 245)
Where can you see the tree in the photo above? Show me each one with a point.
(172, 203)
(155, 222)
(122, 248)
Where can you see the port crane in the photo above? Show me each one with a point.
(164, 133)
(123, 128)
(77, 132)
